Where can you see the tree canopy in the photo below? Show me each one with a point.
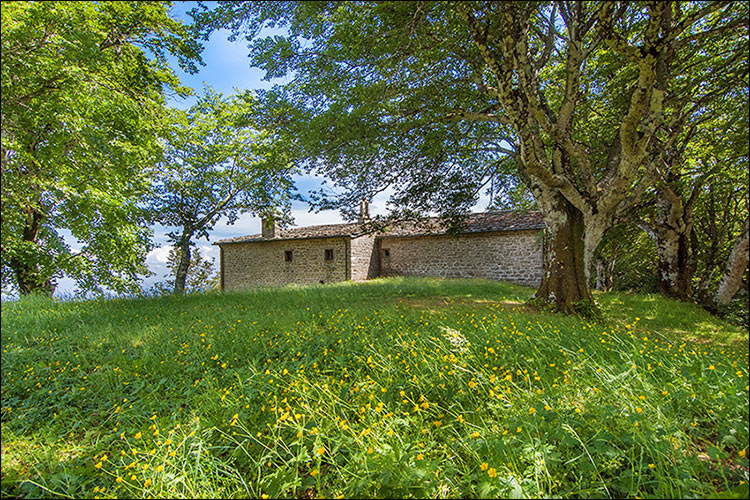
(579, 100)
(83, 87)
(216, 164)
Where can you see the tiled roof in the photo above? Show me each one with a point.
(475, 223)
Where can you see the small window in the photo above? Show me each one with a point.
(288, 256)
(386, 252)
(329, 253)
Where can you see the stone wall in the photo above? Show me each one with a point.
(514, 256)
(364, 254)
(263, 263)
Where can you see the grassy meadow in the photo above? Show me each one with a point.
(390, 388)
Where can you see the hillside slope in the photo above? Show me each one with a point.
(390, 388)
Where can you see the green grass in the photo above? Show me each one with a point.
(391, 388)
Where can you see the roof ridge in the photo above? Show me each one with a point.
(304, 232)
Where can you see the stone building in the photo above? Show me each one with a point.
(497, 245)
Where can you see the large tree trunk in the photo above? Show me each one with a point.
(671, 228)
(182, 249)
(29, 276)
(29, 280)
(565, 283)
(736, 266)
(675, 267)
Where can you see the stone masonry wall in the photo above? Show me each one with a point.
(263, 263)
(514, 256)
(364, 258)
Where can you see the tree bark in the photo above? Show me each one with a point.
(564, 283)
(600, 278)
(578, 208)
(675, 268)
(671, 228)
(29, 280)
(736, 266)
(29, 276)
(183, 251)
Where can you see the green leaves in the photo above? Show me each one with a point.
(82, 101)
(218, 163)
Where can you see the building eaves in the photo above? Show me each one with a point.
(494, 221)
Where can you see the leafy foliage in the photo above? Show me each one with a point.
(82, 105)
(436, 100)
(218, 163)
(370, 99)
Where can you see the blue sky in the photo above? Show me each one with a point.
(226, 68)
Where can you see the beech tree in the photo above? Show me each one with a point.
(217, 163)
(719, 221)
(82, 97)
(691, 181)
(706, 115)
(435, 98)
(731, 281)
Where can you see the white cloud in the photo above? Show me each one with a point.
(158, 256)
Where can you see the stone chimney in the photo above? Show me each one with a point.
(364, 211)
(269, 228)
